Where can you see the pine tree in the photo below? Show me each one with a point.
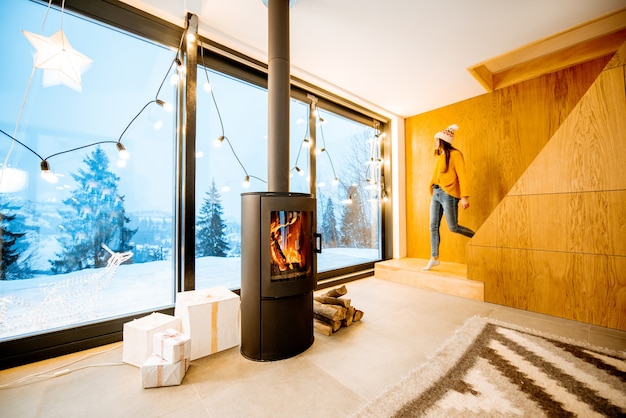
(329, 225)
(94, 215)
(355, 231)
(15, 257)
(211, 235)
(356, 223)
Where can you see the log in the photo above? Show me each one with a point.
(330, 300)
(349, 317)
(322, 327)
(337, 292)
(332, 312)
(357, 315)
(335, 325)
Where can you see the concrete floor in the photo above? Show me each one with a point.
(402, 327)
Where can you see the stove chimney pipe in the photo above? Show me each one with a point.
(279, 81)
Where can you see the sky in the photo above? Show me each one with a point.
(126, 74)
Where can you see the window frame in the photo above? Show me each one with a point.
(120, 16)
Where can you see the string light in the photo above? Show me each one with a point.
(223, 138)
(124, 155)
(218, 141)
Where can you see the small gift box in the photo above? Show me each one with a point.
(139, 333)
(172, 345)
(157, 372)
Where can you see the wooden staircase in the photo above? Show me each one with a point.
(449, 278)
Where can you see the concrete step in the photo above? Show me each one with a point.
(449, 278)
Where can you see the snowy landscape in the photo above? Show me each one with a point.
(48, 302)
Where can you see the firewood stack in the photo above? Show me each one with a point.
(331, 311)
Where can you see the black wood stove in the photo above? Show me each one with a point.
(278, 253)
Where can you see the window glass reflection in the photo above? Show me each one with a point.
(93, 239)
(348, 191)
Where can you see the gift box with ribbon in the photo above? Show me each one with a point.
(211, 318)
(158, 372)
(138, 336)
(172, 346)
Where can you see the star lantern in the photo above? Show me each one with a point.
(61, 63)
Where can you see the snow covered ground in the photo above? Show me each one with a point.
(52, 302)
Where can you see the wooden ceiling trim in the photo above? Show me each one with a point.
(594, 39)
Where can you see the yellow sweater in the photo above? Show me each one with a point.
(453, 181)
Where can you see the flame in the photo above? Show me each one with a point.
(285, 242)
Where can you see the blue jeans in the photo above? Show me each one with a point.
(444, 203)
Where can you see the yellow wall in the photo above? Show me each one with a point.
(500, 134)
(546, 161)
(556, 244)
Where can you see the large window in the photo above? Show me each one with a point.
(349, 164)
(231, 149)
(94, 239)
(93, 242)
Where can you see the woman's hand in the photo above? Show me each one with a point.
(465, 202)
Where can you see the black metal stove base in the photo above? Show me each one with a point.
(280, 329)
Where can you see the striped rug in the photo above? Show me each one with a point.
(493, 369)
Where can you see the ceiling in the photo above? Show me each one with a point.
(396, 57)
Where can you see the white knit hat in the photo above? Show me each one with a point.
(447, 134)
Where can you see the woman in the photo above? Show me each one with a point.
(448, 187)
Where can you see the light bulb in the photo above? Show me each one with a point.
(165, 105)
(46, 174)
(306, 143)
(218, 142)
(121, 163)
(179, 65)
(335, 181)
(207, 87)
(124, 155)
(246, 182)
(191, 37)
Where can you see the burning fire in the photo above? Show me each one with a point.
(285, 241)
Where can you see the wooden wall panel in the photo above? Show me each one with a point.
(420, 162)
(505, 268)
(573, 162)
(593, 222)
(550, 283)
(500, 135)
(555, 244)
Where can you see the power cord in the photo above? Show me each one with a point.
(64, 369)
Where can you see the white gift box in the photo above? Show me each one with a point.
(157, 372)
(211, 318)
(171, 345)
(139, 336)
